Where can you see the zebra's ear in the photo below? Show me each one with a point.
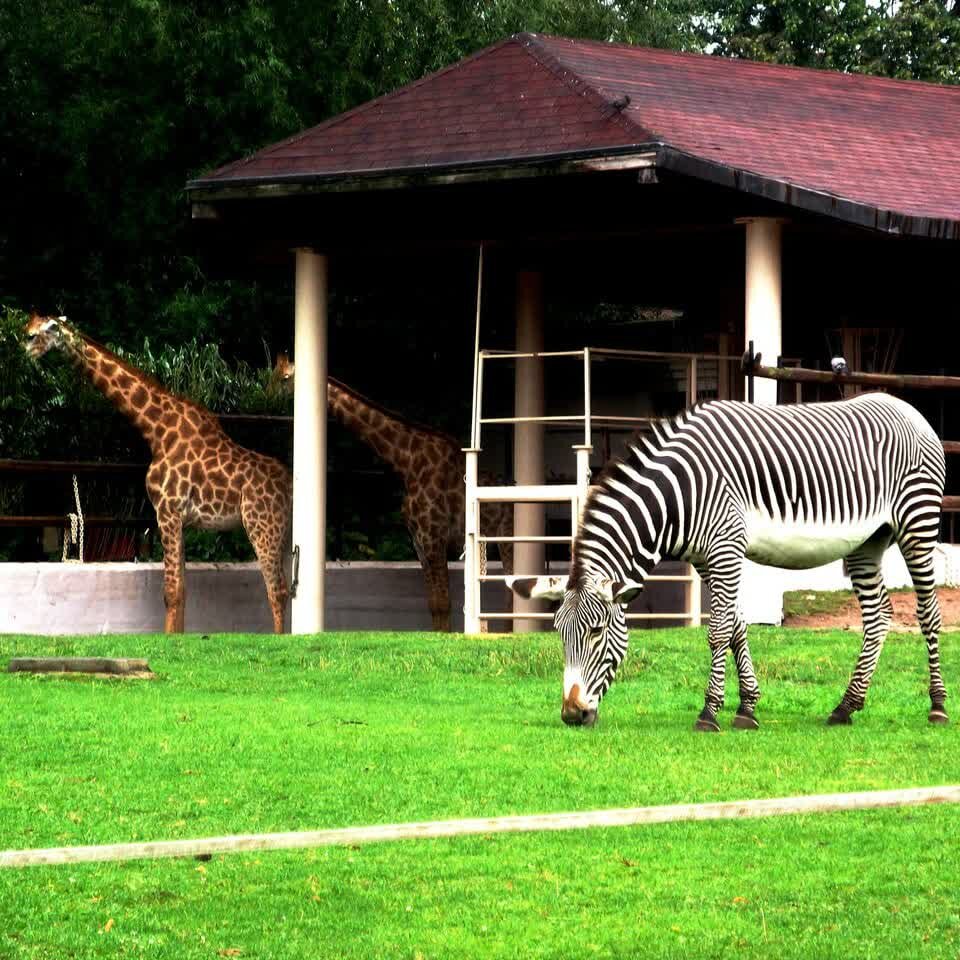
(623, 592)
(537, 588)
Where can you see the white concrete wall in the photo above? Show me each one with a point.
(763, 587)
(91, 598)
(65, 598)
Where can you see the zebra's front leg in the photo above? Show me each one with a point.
(864, 567)
(744, 718)
(724, 568)
(719, 640)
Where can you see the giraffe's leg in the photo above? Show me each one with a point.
(267, 533)
(749, 688)
(920, 564)
(434, 563)
(725, 566)
(430, 539)
(864, 569)
(170, 525)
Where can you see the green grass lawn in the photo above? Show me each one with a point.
(250, 734)
(806, 603)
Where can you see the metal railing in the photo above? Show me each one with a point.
(573, 493)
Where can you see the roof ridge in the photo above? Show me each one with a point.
(359, 108)
(854, 76)
(532, 45)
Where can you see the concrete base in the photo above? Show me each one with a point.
(91, 598)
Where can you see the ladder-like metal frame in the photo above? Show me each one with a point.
(575, 494)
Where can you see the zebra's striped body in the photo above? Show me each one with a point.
(792, 486)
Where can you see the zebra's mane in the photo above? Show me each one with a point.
(649, 437)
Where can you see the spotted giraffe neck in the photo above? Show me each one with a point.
(135, 394)
(388, 434)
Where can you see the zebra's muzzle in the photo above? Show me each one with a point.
(580, 717)
(574, 713)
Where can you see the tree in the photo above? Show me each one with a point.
(907, 39)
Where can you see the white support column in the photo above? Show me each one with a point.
(762, 301)
(310, 439)
(583, 450)
(471, 585)
(528, 518)
(692, 596)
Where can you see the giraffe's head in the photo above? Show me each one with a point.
(284, 367)
(42, 334)
(281, 380)
(592, 621)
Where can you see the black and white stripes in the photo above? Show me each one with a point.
(793, 486)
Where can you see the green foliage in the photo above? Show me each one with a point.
(260, 733)
(913, 39)
(34, 396)
(200, 372)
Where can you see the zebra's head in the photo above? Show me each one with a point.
(592, 622)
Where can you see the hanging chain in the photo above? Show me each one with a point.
(76, 529)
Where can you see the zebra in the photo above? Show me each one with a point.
(786, 486)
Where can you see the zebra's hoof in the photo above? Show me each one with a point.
(706, 725)
(839, 717)
(745, 721)
(938, 715)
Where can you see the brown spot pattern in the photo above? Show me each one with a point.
(199, 476)
(430, 465)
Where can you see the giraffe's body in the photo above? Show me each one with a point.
(198, 476)
(430, 463)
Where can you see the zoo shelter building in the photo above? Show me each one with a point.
(810, 212)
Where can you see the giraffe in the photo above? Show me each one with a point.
(198, 477)
(430, 463)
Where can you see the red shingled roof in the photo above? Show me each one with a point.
(875, 151)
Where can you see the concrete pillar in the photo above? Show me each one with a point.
(528, 518)
(471, 591)
(762, 315)
(310, 439)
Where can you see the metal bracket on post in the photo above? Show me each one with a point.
(748, 365)
(583, 451)
(294, 570)
(694, 598)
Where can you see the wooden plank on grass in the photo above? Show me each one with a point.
(112, 666)
(630, 816)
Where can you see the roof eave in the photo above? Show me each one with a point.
(634, 156)
(637, 156)
(806, 198)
